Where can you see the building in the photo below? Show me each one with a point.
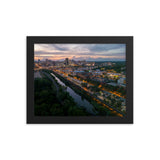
(121, 81)
(66, 62)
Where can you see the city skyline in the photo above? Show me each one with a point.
(88, 52)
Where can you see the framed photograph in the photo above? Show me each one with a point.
(79, 80)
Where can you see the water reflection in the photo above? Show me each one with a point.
(81, 101)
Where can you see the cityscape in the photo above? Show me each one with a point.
(80, 80)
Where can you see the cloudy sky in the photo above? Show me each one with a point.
(88, 52)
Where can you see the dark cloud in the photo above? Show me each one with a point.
(84, 50)
(105, 47)
(60, 47)
(51, 53)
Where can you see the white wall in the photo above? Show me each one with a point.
(69, 17)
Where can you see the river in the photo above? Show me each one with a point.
(77, 98)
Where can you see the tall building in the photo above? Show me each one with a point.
(66, 61)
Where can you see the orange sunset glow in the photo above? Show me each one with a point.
(88, 52)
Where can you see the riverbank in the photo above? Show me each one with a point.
(99, 107)
(82, 102)
(47, 102)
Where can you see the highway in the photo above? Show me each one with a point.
(119, 113)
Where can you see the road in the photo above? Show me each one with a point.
(119, 113)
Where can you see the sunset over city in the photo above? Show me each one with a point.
(88, 52)
(80, 79)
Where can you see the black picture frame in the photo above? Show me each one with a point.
(32, 119)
